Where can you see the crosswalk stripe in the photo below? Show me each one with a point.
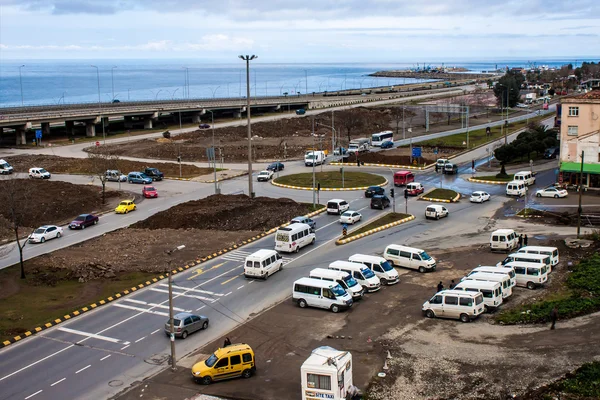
(156, 305)
(140, 309)
(184, 295)
(192, 290)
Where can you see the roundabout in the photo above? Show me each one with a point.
(330, 181)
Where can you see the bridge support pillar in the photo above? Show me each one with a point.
(196, 118)
(148, 123)
(237, 114)
(70, 128)
(128, 122)
(21, 137)
(46, 129)
(90, 128)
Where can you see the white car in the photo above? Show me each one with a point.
(479, 197)
(350, 217)
(265, 175)
(435, 211)
(40, 173)
(46, 232)
(551, 192)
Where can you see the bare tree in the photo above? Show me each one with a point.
(400, 115)
(16, 199)
(437, 116)
(349, 121)
(99, 164)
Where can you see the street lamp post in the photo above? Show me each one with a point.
(306, 81)
(249, 58)
(171, 315)
(21, 83)
(212, 124)
(100, 104)
(112, 78)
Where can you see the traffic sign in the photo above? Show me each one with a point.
(38, 133)
(416, 152)
(210, 153)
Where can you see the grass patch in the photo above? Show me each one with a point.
(506, 178)
(310, 208)
(580, 296)
(585, 381)
(34, 302)
(331, 179)
(386, 219)
(442, 194)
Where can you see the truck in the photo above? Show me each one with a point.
(530, 98)
(314, 158)
(360, 145)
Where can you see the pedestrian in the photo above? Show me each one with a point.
(553, 317)
(227, 342)
(452, 284)
(440, 286)
(357, 162)
(473, 165)
(520, 241)
(525, 240)
(436, 168)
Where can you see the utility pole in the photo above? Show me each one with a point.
(579, 211)
(313, 159)
(171, 314)
(403, 130)
(248, 58)
(112, 79)
(212, 120)
(21, 83)
(179, 146)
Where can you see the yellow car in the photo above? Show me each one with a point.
(232, 361)
(125, 206)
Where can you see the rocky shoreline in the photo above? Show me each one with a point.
(448, 76)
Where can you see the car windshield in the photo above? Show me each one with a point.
(310, 156)
(367, 273)
(264, 173)
(386, 266)
(40, 230)
(42, 170)
(338, 291)
(347, 214)
(478, 300)
(123, 203)
(150, 188)
(350, 281)
(425, 256)
(144, 176)
(476, 194)
(80, 218)
(210, 361)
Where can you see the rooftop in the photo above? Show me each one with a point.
(592, 95)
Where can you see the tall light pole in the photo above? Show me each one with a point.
(112, 79)
(212, 125)
(171, 316)
(100, 104)
(186, 83)
(248, 58)
(21, 83)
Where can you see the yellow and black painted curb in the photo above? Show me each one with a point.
(177, 179)
(424, 197)
(374, 230)
(149, 282)
(335, 163)
(475, 180)
(327, 189)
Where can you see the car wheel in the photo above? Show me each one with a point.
(422, 270)
(58, 235)
(530, 285)
(266, 276)
(42, 240)
(95, 222)
(206, 380)
(538, 195)
(302, 303)
(126, 211)
(464, 318)
(335, 308)
(429, 314)
(313, 242)
(184, 335)
(205, 325)
(297, 249)
(556, 196)
(247, 373)
(82, 226)
(437, 216)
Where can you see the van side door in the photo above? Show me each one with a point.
(451, 306)
(394, 256)
(221, 369)
(405, 259)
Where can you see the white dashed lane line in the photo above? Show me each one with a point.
(105, 357)
(140, 339)
(84, 368)
(241, 287)
(124, 347)
(153, 332)
(31, 395)
(59, 381)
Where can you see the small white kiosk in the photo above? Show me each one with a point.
(326, 374)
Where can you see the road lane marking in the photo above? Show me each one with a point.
(250, 281)
(105, 357)
(140, 339)
(241, 287)
(83, 369)
(184, 295)
(230, 279)
(57, 382)
(143, 310)
(153, 332)
(191, 290)
(31, 395)
(200, 308)
(123, 348)
(34, 363)
(92, 335)
(200, 271)
(155, 305)
(227, 294)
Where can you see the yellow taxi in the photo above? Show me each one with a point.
(125, 206)
(232, 361)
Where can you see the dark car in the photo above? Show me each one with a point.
(304, 220)
(387, 144)
(380, 201)
(300, 111)
(154, 173)
(276, 166)
(204, 126)
(551, 152)
(374, 190)
(83, 220)
(450, 169)
(185, 323)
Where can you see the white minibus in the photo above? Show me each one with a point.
(456, 304)
(516, 188)
(529, 275)
(409, 257)
(262, 263)
(549, 251)
(525, 176)
(529, 258)
(320, 294)
(346, 281)
(497, 270)
(504, 240)
(503, 279)
(491, 291)
(379, 265)
(378, 138)
(293, 237)
(362, 274)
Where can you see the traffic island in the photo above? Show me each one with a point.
(441, 196)
(330, 181)
(382, 223)
(492, 179)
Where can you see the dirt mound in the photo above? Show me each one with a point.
(226, 213)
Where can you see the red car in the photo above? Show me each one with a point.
(83, 220)
(149, 191)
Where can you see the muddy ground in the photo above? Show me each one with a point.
(430, 359)
(88, 166)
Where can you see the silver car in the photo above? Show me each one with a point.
(186, 323)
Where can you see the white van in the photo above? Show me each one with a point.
(362, 274)
(409, 257)
(435, 211)
(337, 206)
(526, 177)
(456, 304)
(503, 279)
(504, 240)
(262, 264)
(529, 275)
(549, 251)
(491, 292)
(5, 168)
(321, 294)
(525, 257)
(516, 188)
(39, 173)
(496, 270)
(293, 237)
(380, 266)
(346, 281)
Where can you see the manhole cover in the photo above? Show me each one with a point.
(115, 383)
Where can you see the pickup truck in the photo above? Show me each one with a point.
(154, 173)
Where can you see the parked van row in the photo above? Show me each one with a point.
(519, 185)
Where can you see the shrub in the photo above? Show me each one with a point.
(167, 134)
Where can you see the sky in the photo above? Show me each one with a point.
(283, 31)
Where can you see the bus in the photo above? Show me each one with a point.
(378, 138)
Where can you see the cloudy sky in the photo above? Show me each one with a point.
(300, 31)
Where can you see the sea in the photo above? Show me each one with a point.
(53, 82)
